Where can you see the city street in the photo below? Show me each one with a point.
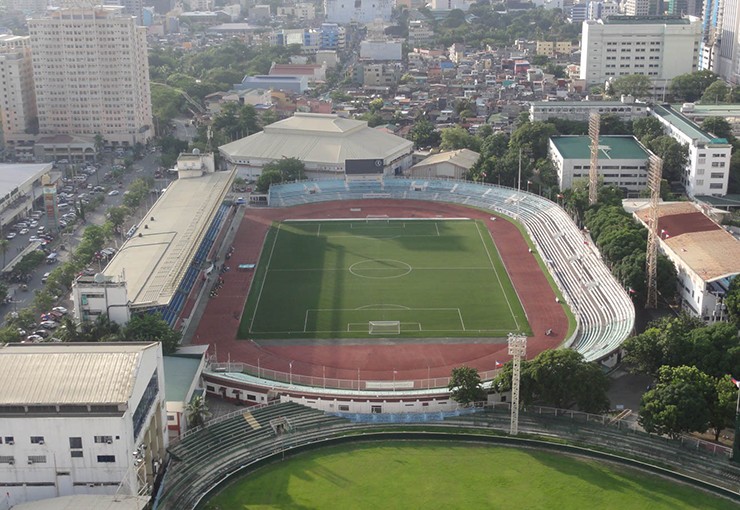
(143, 168)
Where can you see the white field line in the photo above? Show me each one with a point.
(264, 279)
(501, 286)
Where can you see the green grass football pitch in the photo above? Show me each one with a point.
(358, 279)
(418, 475)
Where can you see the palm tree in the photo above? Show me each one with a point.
(197, 412)
(4, 245)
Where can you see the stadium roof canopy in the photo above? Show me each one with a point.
(710, 251)
(154, 261)
(316, 139)
(69, 374)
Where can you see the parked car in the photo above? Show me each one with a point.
(33, 224)
(60, 309)
(34, 338)
(11, 236)
(42, 333)
(49, 325)
(23, 231)
(113, 193)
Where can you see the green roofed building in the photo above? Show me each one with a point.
(622, 161)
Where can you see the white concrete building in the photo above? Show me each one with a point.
(659, 47)
(147, 271)
(359, 11)
(446, 165)
(626, 109)
(303, 11)
(323, 142)
(81, 419)
(707, 170)
(449, 5)
(17, 97)
(706, 257)
(622, 161)
(381, 50)
(91, 74)
(641, 7)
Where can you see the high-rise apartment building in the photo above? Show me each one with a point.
(728, 41)
(91, 73)
(711, 35)
(659, 47)
(17, 97)
(642, 7)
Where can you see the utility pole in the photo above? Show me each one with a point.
(517, 349)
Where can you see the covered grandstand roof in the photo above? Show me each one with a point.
(316, 138)
(59, 374)
(154, 261)
(704, 246)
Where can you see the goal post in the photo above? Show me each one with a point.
(384, 327)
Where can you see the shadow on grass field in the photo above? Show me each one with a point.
(421, 475)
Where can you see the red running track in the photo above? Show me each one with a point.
(409, 361)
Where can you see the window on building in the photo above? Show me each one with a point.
(715, 185)
(37, 439)
(9, 440)
(76, 454)
(717, 175)
(106, 458)
(103, 439)
(146, 402)
(75, 442)
(37, 459)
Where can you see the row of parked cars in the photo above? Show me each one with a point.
(44, 331)
(27, 226)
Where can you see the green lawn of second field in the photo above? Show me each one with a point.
(423, 475)
(331, 279)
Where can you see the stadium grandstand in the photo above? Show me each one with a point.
(159, 264)
(603, 309)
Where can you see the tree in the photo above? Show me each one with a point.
(4, 246)
(717, 92)
(266, 179)
(457, 137)
(647, 128)
(722, 409)
(715, 349)
(116, 216)
(679, 402)
(666, 342)
(424, 134)
(495, 145)
(99, 143)
(465, 385)
(197, 412)
(732, 300)
(152, 327)
(690, 86)
(560, 378)
(611, 124)
(673, 153)
(719, 127)
(636, 85)
(532, 138)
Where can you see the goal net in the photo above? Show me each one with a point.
(384, 327)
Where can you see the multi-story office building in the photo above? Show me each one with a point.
(91, 74)
(602, 10)
(17, 97)
(303, 11)
(642, 7)
(359, 11)
(332, 36)
(728, 40)
(659, 47)
(711, 27)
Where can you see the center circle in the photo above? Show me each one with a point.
(380, 269)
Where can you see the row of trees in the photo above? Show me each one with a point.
(559, 378)
(691, 364)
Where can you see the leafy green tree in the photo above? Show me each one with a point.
(373, 119)
(424, 134)
(282, 170)
(636, 85)
(465, 385)
(102, 329)
(679, 402)
(4, 246)
(457, 137)
(495, 145)
(717, 92)
(116, 216)
(732, 300)
(691, 86)
(532, 138)
(484, 131)
(560, 378)
(9, 334)
(197, 412)
(146, 327)
(611, 124)
(719, 127)
(43, 301)
(267, 178)
(673, 153)
(647, 128)
(722, 409)
(715, 349)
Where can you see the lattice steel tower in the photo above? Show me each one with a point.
(517, 349)
(594, 124)
(655, 174)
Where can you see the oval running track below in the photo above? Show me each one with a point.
(409, 360)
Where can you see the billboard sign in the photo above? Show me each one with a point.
(363, 166)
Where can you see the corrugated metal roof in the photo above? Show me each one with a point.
(48, 374)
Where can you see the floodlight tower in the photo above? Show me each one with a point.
(594, 125)
(655, 174)
(517, 349)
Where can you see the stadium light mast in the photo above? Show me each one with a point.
(655, 174)
(517, 349)
(594, 126)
